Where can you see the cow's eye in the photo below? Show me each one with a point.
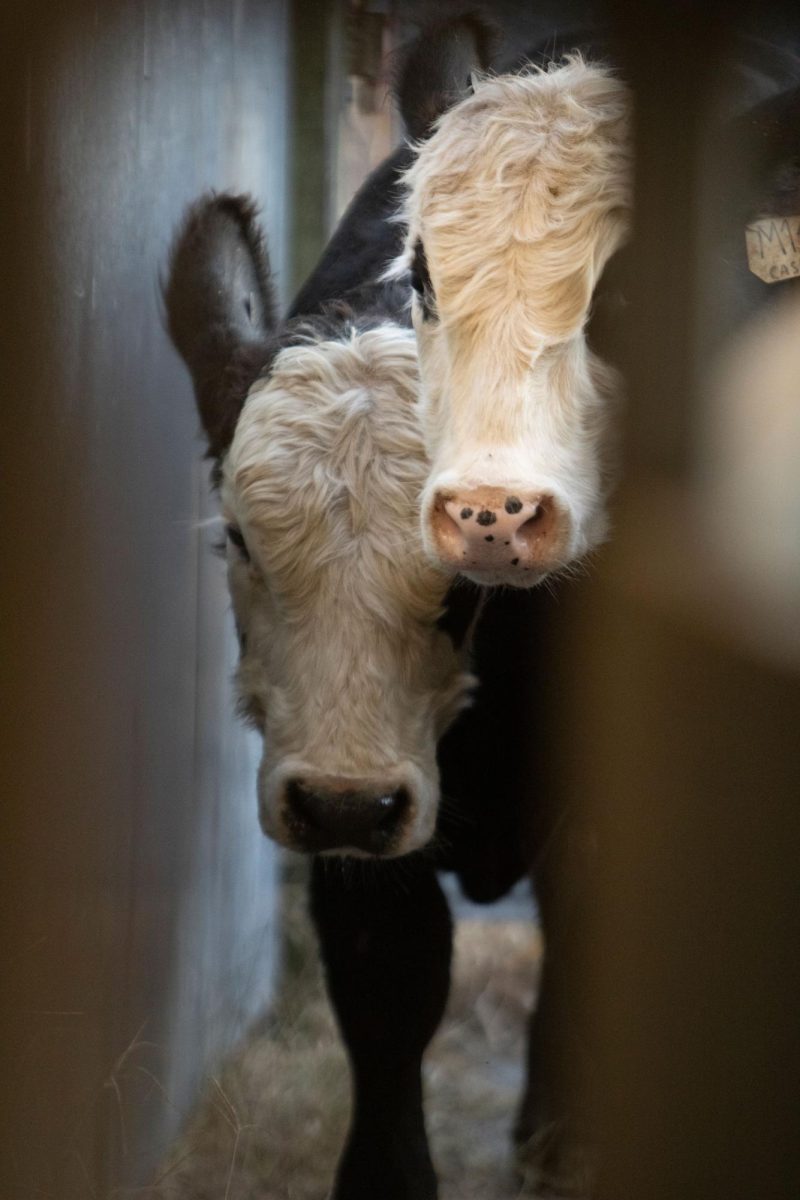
(236, 539)
(421, 282)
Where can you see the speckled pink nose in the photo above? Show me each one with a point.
(502, 536)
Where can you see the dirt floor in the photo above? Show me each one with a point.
(272, 1121)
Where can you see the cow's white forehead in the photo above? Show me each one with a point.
(520, 195)
(571, 119)
(327, 465)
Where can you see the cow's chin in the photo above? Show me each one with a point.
(382, 814)
(505, 579)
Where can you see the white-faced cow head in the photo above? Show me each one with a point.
(514, 205)
(344, 670)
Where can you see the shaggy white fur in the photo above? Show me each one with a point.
(343, 669)
(519, 198)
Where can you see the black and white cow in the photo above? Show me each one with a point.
(358, 654)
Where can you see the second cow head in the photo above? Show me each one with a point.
(513, 207)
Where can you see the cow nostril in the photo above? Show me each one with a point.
(541, 525)
(391, 809)
(447, 530)
(303, 803)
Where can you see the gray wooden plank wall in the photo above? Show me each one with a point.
(139, 894)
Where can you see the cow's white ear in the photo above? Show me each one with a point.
(475, 80)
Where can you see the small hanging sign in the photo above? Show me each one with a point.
(773, 248)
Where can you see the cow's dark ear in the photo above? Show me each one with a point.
(220, 308)
(435, 71)
(762, 145)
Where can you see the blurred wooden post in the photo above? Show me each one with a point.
(679, 738)
(137, 891)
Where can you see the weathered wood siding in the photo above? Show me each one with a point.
(139, 892)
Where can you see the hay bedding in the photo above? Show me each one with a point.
(272, 1121)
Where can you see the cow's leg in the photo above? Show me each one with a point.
(550, 1132)
(386, 934)
(547, 1152)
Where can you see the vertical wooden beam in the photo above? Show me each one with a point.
(313, 25)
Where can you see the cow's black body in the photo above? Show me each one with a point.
(363, 243)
